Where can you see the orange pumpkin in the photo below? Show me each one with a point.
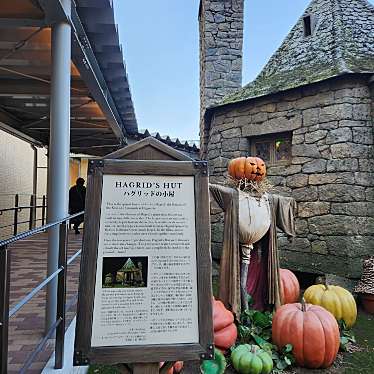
(312, 331)
(225, 331)
(289, 286)
(176, 368)
(251, 168)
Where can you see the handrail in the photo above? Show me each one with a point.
(34, 291)
(5, 314)
(19, 208)
(26, 234)
(32, 207)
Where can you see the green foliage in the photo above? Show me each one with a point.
(346, 336)
(283, 358)
(216, 366)
(255, 328)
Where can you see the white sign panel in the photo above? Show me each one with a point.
(146, 279)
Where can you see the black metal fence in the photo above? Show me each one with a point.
(60, 273)
(32, 208)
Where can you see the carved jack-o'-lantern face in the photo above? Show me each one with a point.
(251, 168)
(261, 169)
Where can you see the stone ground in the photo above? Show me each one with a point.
(28, 269)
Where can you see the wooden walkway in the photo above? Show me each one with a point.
(28, 269)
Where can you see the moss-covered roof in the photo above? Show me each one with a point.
(128, 265)
(342, 41)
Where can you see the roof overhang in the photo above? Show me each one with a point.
(102, 112)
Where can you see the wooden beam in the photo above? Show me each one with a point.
(6, 23)
(28, 86)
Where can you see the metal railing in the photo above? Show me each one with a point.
(5, 314)
(32, 218)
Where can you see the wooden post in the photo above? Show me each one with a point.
(151, 368)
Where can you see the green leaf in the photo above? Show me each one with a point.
(261, 319)
(287, 361)
(288, 348)
(281, 365)
(259, 340)
(343, 343)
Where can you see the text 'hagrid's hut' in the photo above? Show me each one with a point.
(309, 115)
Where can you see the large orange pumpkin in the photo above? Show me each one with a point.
(225, 331)
(289, 286)
(312, 331)
(251, 168)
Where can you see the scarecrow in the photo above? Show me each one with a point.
(249, 261)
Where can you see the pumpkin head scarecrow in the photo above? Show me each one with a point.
(249, 262)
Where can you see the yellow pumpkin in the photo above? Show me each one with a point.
(335, 299)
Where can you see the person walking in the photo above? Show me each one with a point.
(77, 198)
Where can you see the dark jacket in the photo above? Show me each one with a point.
(77, 198)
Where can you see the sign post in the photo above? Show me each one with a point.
(145, 283)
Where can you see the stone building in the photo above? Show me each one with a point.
(309, 115)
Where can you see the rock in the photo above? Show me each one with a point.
(366, 165)
(231, 133)
(298, 139)
(284, 170)
(309, 193)
(311, 116)
(335, 112)
(318, 208)
(344, 150)
(314, 263)
(333, 225)
(315, 166)
(350, 246)
(361, 112)
(315, 136)
(301, 226)
(369, 194)
(297, 180)
(340, 135)
(364, 179)
(214, 138)
(216, 250)
(217, 233)
(353, 208)
(320, 247)
(346, 283)
(341, 193)
(277, 180)
(345, 164)
(304, 150)
(230, 144)
(366, 226)
(363, 135)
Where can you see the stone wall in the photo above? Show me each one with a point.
(221, 40)
(331, 173)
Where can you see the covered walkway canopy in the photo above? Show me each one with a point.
(63, 84)
(101, 111)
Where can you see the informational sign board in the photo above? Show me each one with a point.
(145, 283)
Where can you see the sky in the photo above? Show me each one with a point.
(161, 49)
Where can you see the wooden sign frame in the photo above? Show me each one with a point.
(84, 353)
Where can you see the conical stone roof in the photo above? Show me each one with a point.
(342, 41)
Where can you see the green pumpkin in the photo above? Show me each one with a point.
(216, 366)
(250, 359)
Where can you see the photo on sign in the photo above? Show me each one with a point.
(124, 272)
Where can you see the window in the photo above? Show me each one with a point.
(273, 149)
(308, 29)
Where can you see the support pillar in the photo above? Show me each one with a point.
(59, 147)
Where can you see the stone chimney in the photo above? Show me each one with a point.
(221, 42)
